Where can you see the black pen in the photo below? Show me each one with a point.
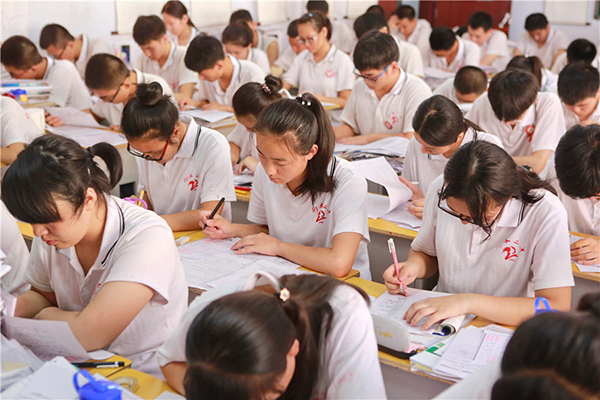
(212, 214)
(100, 364)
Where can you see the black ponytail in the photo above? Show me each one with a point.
(302, 123)
(252, 97)
(150, 113)
(57, 167)
(530, 64)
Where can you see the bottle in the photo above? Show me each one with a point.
(96, 390)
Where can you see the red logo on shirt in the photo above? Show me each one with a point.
(192, 181)
(392, 120)
(330, 73)
(529, 130)
(322, 212)
(511, 250)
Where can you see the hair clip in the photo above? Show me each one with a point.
(310, 14)
(284, 295)
(266, 88)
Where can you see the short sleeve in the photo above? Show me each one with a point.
(202, 93)
(425, 240)
(409, 171)
(550, 123)
(16, 125)
(256, 209)
(414, 61)
(350, 203)
(522, 43)
(345, 74)
(292, 75)
(349, 112)
(238, 135)
(477, 113)
(37, 273)
(562, 41)
(186, 75)
(217, 181)
(472, 53)
(498, 45)
(418, 93)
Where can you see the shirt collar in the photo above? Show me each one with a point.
(170, 58)
(512, 214)
(51, 63)
(141, 78)
(235, 76)
(328, 57)
(550, 36)
(85, 42)
(186, 150)
(461, 50)
(399, 85)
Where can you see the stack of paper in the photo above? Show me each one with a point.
(379, 171)
(399, 215)
(212, 118)
(17, 362)
(211, 262)
(391, 147)
(244, 179)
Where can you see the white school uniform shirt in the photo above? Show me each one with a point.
(528, 249)
(89, 47)
(173, 71)
(200, 171)
(137, 246)
(342, 36)
(16, 127)
(259, 57)
(584, 214)
(295, 219)
(245, 140)
(497, 45)
(112, 112)
(15, 254)
(425, 168)
(549, 81)
(243, 72)
(419, 37)
(571, 119)
(541, 127)
(557, 40)
(286, 58)
(349, 365)
(68, 90)
(561, 62)
(366, 114)
(173, 39)
(410, 59)
(468, 54)
(264, 41)
(447, 90)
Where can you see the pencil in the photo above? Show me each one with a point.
(141, 197)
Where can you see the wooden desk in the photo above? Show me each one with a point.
(26, 230)
(591, 276)
(106, 372)
(149, 387)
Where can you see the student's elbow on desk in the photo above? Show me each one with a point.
(559, 298)
(174, 373)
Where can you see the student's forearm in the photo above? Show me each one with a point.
(321, 259)
(174, 373)
(9, 154)
(185, 90)
(241, 230)
(558, 53)
(427, 265)
(488, 59)
(335, 100)
(273, 52)
(189, 220)
(286, 85)
(30, 303)
(343, 130)
(537, 160)
(234, 151)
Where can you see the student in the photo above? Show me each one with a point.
(449, 52)
(177, 21)
(183, 168)
(301, 336)
(548, 80)
(161, 57)
(383, 102)
(579, 50)
(405, 26)
(497, 236)
(528, 123)
(322, 68)
(541, 40)
(409, 60)
(440, 130)
(14, 253)
(248, 102)
(22, 60)
(299, 183)
(237, 40)
(60, 44)
(266, 43)
(492, 42)
(286, 58)
(579, 90)
(375, 9)
(220, 75)
(93, 253)
(577, 163)
(341, 35)
(109, 78)
(16, 131)
(467, 85)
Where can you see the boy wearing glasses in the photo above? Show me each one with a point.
(22, 60)
(161, 57)
(60, 44)
(110, 79)
(385, 99)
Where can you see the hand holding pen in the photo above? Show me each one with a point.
(392, 249)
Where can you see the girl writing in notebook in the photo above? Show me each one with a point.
(297, 337)
(248, 102)
(440, 130)
(93, 253)
(306, 205)
(182, 167)
(498, 237)
(178, 23)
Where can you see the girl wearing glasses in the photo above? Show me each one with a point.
(182, 167)
(93, 253)
(496, 234)
(440, 130)
(312, 204)
(322, 68)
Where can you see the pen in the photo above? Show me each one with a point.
(392, 248)
(141, 197)
(101, 364)
(212, 214)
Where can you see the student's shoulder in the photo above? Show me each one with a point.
(179, 53)
(250, 72)
(346, 174)
(548, 101)
(210, 139)
(138, 220)
(341, 57)
(488, 137)
(345, 300)
(560, 36)
(446, 88)
(416, 84)
(525, 38)
(149, 78)
(470, 46)
(406, 47)
(549, 207)
(63, 68)
(424, 24)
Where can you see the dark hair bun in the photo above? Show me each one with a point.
(273, 83)
(149, 93)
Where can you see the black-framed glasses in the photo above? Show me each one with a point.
(14, 76)
(372, 80)
(105, 98)
(139, 154)
(465, 218)
(310, 40)
(58, 57)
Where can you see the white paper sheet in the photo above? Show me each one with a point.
(73, 117)
(53, 381)
(210, 115)
(400, 215)
(392, 146)
(584, 268)
(89, 136)
(244, 178)
(492, 346)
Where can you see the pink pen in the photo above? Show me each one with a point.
(392, 248)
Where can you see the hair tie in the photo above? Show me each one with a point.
(91, 152)
(283, 295)
(300, 99)
(266, 88)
